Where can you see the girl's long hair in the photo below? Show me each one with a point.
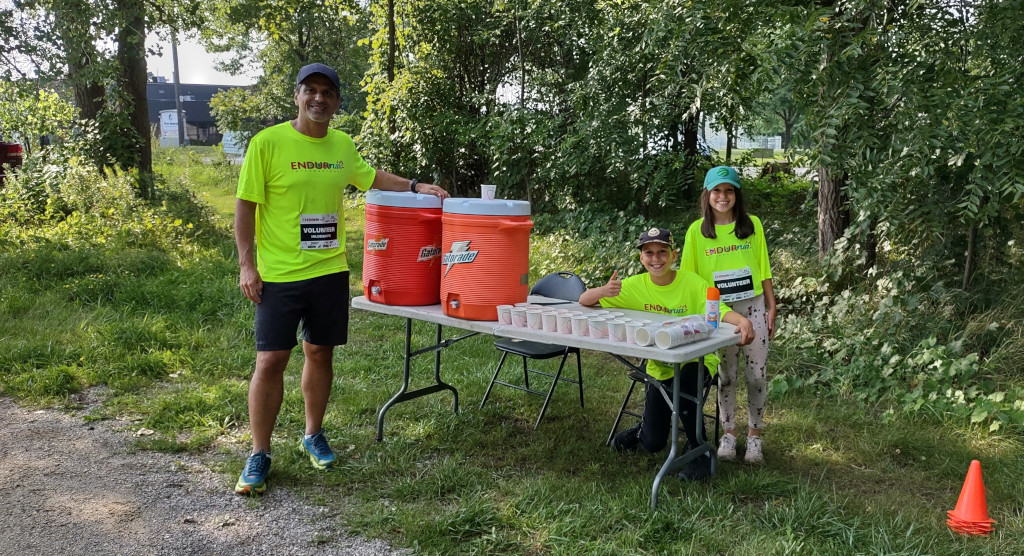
(744, 225)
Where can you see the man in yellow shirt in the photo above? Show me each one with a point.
(290, 233)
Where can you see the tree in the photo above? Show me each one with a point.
(451, 59)
(281, 37)
(109, 86)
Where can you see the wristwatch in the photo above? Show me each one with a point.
(412, 185)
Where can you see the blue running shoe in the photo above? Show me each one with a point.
(254, 477)
(320, 452)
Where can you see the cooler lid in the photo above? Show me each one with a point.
(483, 207)
(406, 199)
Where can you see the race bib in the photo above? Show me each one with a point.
(318, 231)
(735, 285)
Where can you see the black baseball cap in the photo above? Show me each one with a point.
(324, 70)
(655, 235)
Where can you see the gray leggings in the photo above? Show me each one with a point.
(756, 357)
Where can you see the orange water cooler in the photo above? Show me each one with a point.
(486, 259)
(402, 248)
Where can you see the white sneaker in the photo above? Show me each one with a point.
(753, 454)
(727, 448)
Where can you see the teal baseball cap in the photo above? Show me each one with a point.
(721, 174)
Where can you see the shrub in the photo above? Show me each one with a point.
(592, 243)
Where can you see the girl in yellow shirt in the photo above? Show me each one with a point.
(727, 248)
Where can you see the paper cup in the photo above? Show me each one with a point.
(505, 314)
(616, 314)
(524, 304)
(671, 336)
(580, 326)
(534, 320)
(598, 328)
(519, 317)
(617, 330)
(549, 319)
(487, 192)
(683, 333)
(563, 322)
(644, 335)
(631, 328)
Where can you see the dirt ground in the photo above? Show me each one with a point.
(68, 486)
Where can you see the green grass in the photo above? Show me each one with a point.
(172, 338)
(205, 171)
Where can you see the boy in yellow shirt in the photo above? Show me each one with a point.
(677, 293)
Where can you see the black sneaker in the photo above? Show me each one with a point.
(627, 440)
(697, 470)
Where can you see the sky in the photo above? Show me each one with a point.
(194, 62)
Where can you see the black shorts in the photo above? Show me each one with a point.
(319, 304)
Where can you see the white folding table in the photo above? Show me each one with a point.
(677, 356)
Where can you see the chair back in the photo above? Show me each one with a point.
(560, 285)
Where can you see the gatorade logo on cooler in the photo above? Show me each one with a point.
(377, 244)
(428, 252)
(459, 254)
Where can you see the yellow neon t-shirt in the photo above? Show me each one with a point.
(298, 183)
(686, 295)
(735, 266)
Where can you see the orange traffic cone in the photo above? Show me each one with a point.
(970, 516)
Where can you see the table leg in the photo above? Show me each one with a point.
(673, 462)
(403, 393)
(437, 372)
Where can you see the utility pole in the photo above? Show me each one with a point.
(177, 89)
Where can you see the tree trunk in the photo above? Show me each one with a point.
(391, 41)
(972, 238)
(522, 61)
(131, 55)
(71, 22)
(691, 143)
(788, 118)
(830, 190)
(871, 246)
(691, 135)
(392, 47)
(728, 142)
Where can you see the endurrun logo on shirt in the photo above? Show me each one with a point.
(655, 308)
(727, 249)
(313, 165)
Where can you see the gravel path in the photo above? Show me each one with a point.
(72, 487)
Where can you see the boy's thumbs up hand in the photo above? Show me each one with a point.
(614, 285)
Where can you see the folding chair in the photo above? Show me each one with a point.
(557, 285)
(638, 376)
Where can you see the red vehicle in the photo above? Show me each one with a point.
(10, 156)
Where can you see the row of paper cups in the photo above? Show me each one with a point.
(602, 325)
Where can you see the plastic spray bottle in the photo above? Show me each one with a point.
(711, 312)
